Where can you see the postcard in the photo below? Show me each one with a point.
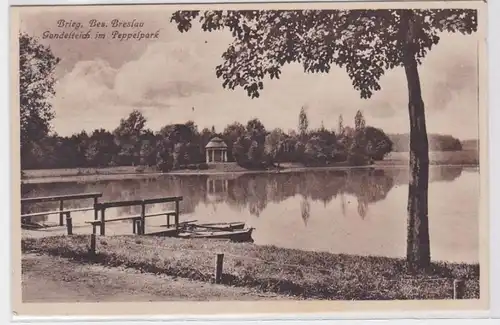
(255, 158)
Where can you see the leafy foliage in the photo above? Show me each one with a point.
(36, 86)
(378, 143)
(303, 121)
(128, 135)
(359, 121)
(231, 134)
(365, 43)
(437, 142)
(101, 149)
(340, 127)
(180, 146)
(274, 145)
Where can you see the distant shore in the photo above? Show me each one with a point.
(466, 159)
(290, 272)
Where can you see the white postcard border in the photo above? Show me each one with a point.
(494, 159)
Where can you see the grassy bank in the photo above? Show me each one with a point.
(286, 271)
(55, 279)
(118, 170)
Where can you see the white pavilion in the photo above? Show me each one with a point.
(216, 151)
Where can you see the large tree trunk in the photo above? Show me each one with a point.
(418, 248)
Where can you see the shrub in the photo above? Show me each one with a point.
(203, 166)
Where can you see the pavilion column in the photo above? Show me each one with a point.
(207, 157)
(213, 155)
(225, 155)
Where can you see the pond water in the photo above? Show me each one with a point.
(353, 212)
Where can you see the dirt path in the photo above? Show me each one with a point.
(53, 279)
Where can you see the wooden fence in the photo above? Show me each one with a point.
(61, 199)
(138, 221)
(100, 208)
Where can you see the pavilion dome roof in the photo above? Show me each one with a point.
(216, 143)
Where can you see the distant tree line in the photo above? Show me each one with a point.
(180, 146)
(437, 142)
(470, 144)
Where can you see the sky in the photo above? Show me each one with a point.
(172, 80)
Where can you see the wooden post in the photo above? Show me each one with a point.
(103, 223)
(177, 214)
(139, 226)
(134, 224)
(218, 268)
(458, 289)
(92, 243)
(168, 220)
(61, 215)
(69, 223)
(96, 212)
(143, 218)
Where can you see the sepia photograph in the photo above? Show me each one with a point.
(254, 153)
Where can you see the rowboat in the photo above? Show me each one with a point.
(25, 225)
(219, 226)
(243, 235)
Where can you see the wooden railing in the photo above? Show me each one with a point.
(138, 221)
(61, 198)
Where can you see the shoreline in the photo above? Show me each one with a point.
(97, 176)
(298, 273)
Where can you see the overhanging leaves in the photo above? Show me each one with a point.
(364, 42)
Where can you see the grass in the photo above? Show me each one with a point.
(55, 279)
(303, 274)
(38, 173)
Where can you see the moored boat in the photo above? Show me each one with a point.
(220, 225)
(242, 235)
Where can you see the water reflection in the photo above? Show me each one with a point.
(305, 208)
(250, 192)
(343, 211)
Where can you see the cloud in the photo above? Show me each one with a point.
(170, 77)
(88, 84)
(450, 72)
(165, 72)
